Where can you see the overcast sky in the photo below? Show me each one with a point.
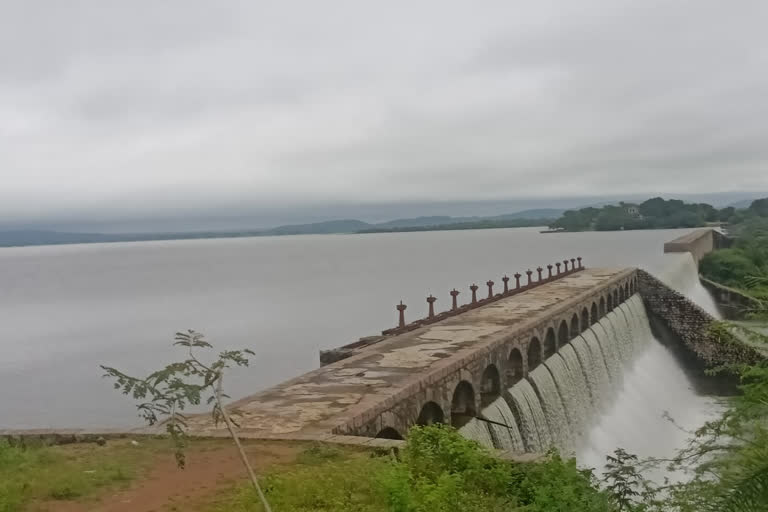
(134, 104)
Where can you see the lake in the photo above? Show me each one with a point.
(64, 310)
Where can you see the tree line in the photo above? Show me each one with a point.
(655, 213)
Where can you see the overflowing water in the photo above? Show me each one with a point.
(610, 387)
(503, 426)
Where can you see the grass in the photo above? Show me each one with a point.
(36, 472)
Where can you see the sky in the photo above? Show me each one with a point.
(175, 105)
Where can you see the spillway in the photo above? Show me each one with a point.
(613, 386)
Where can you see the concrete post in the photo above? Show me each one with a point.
(517, 280)
(558, 267)
(580, 265)
(539, 270)
(454, 294)
(549, 269)
(431, 301)
(506, 283)
(573, 263)
(530, 273)
(474, 288)
(401, 308)
(490, 289)
(565, 262)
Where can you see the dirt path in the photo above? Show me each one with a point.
(168, 488)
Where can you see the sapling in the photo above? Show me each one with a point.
(164, 395)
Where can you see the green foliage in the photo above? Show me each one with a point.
(728, 266)
(650, 214)
(169, 391)
(438, 471)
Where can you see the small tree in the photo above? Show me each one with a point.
(164, 394)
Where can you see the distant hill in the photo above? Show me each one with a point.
(530, 217)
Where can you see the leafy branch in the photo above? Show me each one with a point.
(164, 394)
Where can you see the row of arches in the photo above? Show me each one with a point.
(463, 402)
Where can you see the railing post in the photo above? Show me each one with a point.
(530, 273)
(573, 264)
(401, 308)
(431, 301)
(490, 288)
(474, 288)
(506, 283)
(539, 270)
(549, 269)
(558, 267)
(454, 294)
(517, 279)
(580, 265)
(565, 262)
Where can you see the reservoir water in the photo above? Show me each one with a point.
(66, 309)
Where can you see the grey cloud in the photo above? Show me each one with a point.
(142, 103)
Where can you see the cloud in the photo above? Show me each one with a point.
(142, 105)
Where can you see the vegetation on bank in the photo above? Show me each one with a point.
(745, 265)
(655, 213)
(34, 472)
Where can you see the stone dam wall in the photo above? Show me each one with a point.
(691, 324)
(698, 243)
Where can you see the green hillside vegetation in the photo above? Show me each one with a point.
(655, 213)
(745, 265)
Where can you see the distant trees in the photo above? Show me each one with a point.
(655, 213)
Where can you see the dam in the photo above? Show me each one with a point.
(522, 370)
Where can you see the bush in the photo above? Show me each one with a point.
(728, 266)
(438, 471)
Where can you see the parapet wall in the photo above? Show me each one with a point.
(698, 243)
(692, 325)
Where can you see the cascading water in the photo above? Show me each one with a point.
(533, 422)
(555, 404)
(572, 384)
(680, 272)
(477, 430)
(552, 403)
(507, 437)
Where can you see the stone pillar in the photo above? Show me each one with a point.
(558, 267)
(530, 273)
(517, 280)
(474, 288)
(565, 262)
(580, 265)
(431, 301)
(401, 308)
(573, 264)
(490, 289)
(549, 269)
(539, 270)
(506, 283)
(454, 294)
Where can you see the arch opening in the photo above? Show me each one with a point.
(615, 298)
(534, 354)
(601, 310)
(610, 302)
(490, 385)
(515, 366)
(462, 404)
(593, 318)
(430, 414)
(550, 343)
(574, 327)
(584, 320)
(563, 334)
(388, 433)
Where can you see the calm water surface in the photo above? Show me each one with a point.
(66, 309)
